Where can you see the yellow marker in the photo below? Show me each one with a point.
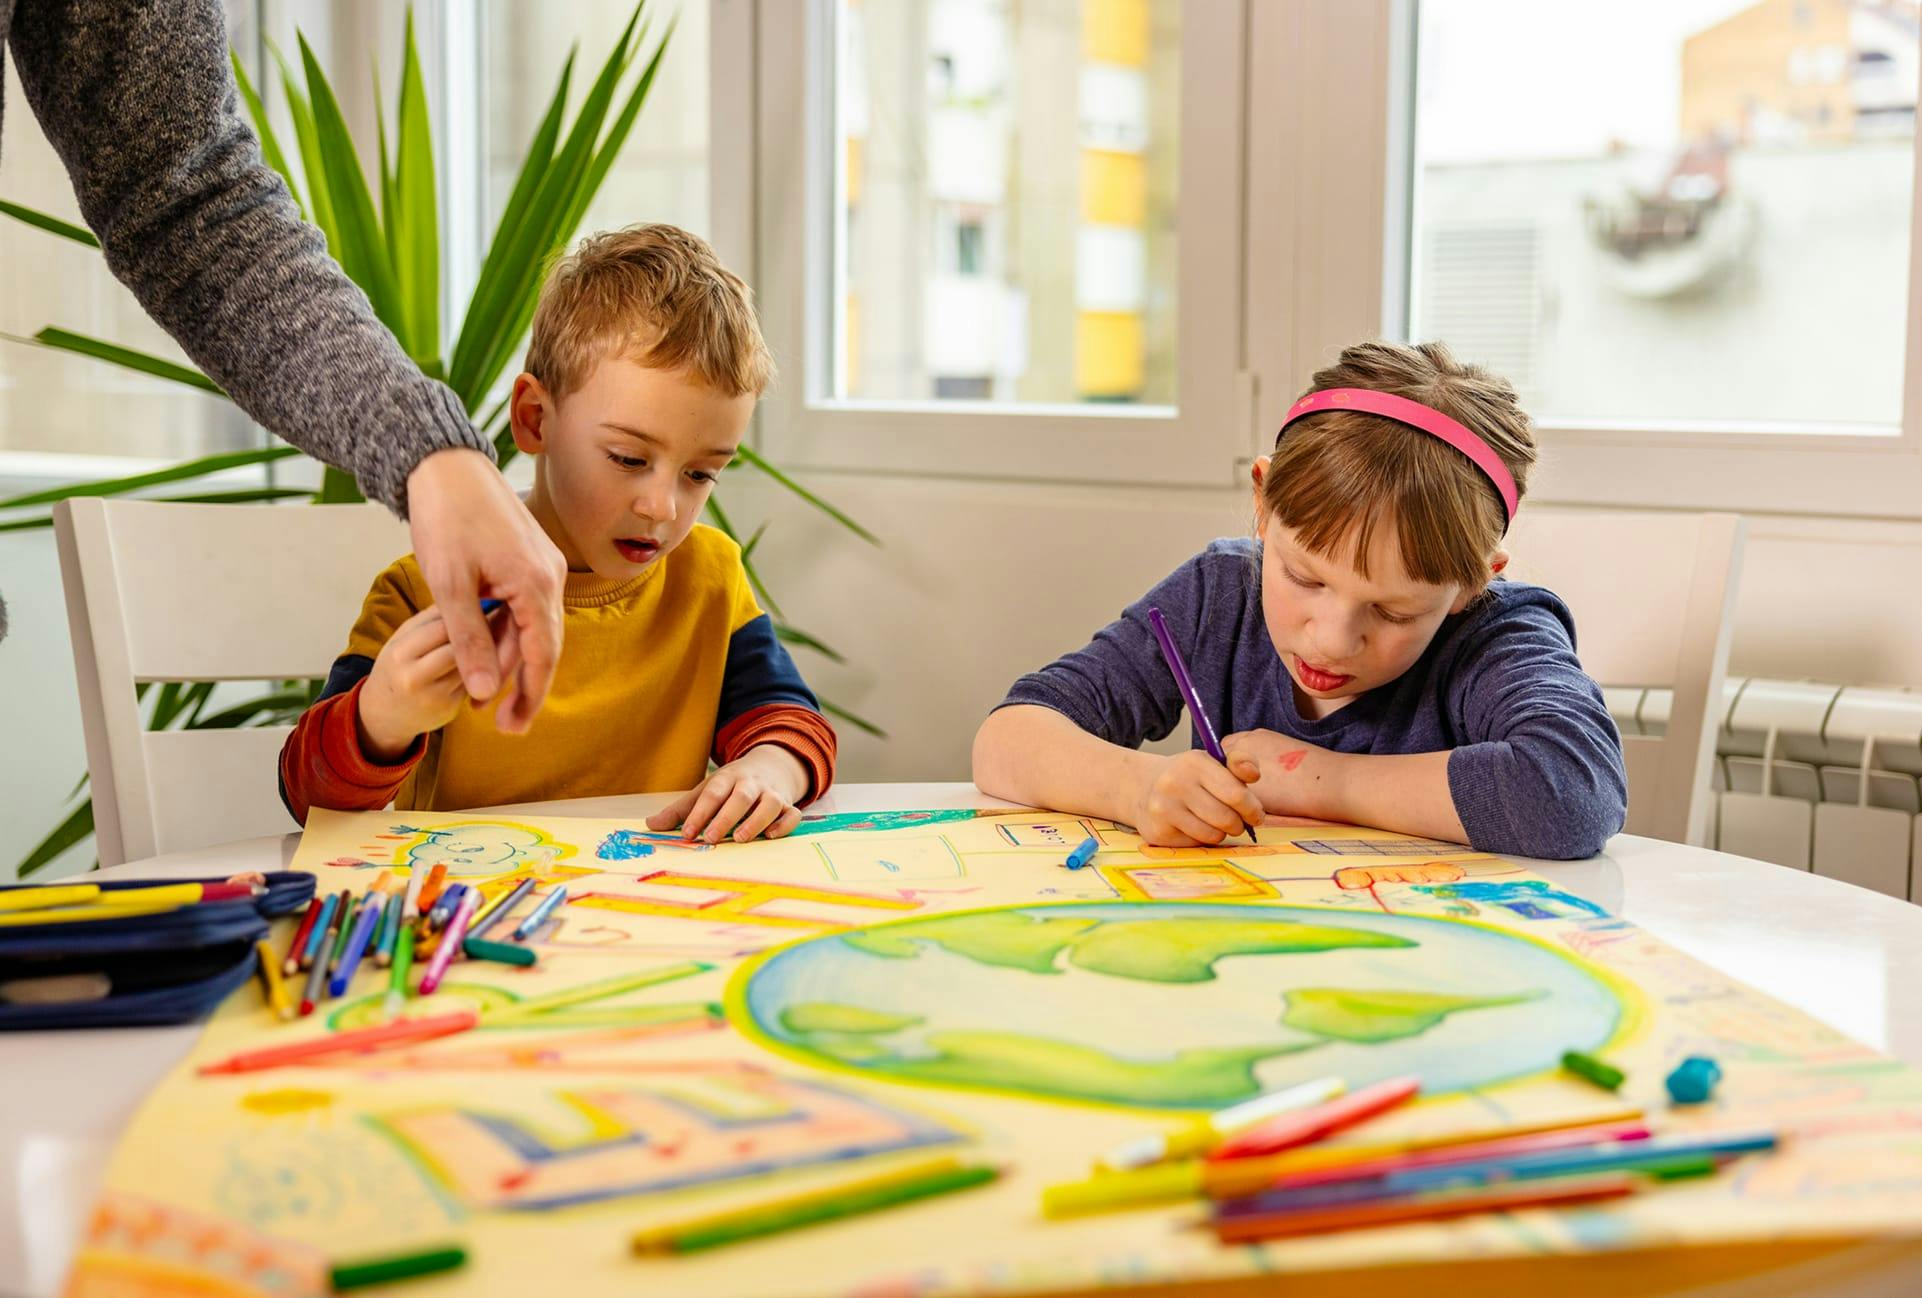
(70, 894)
(272, 983)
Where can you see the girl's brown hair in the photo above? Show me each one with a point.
(1334, 478)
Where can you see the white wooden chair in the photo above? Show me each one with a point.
(174, 592)
(1653, 596)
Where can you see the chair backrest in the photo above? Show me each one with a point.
(175, 592)
(1654, 598)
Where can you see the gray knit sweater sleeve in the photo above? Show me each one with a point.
(140, 103)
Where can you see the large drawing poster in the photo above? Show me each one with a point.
(709, 1025)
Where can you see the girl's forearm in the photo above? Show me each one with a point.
(1035, 755)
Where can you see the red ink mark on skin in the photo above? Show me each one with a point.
(1289, 761)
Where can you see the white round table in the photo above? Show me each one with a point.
(1843, 954)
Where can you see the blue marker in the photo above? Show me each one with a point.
(538, 916)
(370, 911)
(1084, 853)
(444, 906)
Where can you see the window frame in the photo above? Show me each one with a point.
(1365, 75)
(1200, 441)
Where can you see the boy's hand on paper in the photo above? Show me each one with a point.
(415, 686)
(1191, 800)
(753, 796)
(474, 537)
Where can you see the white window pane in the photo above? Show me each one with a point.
(662, 171)
(55, 402)
(984, 253)
(1670, 210)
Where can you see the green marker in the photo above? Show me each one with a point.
(400, 1266)
(1606, 1076)
(403, 964)
(479, 948)
(918, 1181)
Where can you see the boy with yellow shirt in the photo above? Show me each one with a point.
(642, 372)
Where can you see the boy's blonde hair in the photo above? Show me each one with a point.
(654, 294)
(1338, 476)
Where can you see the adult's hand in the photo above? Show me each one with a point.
(473, 537)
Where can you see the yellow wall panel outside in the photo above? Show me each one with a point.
(1108, 352)
(1115, 31)
(1114, 188)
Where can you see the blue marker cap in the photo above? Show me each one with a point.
(489, 605)
(1083, 853)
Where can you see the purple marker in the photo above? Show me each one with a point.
(1186, 685)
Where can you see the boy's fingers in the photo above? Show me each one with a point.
(1198, 827)
(784, 823)
(738, 804)
(764, 814)
(670, 815)
(713, 794)
(1229, 787)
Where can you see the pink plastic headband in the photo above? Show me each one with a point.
(1415, 415)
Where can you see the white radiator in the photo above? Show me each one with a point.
(1811, 776)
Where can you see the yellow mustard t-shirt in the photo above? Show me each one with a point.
(633, 704)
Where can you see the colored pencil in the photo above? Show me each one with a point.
(1192, 1178)
(1426, 1207)
(402, 1266)
(270, 982)
(403, 964)
(370, 912)
(41, 898)
(317, 938)
(1538, 1142)
(430, 891)
(359, 1040)
(598, 988)
(1208, 1132)
(299, 944)
(1614, 1156)
(498, 908)
(389, 931)
(347, 915)
(317, 971)
(449, 942)
(1286, 1130)
(868, 1194)
(1185, 683)
(538, 916)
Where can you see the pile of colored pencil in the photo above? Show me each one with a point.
(390, 925)
(1267, 1176)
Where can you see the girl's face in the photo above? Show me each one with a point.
(1341, 634)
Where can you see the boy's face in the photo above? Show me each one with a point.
(1341, 634)
(627, 460)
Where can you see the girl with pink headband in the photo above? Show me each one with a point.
(1361, 655)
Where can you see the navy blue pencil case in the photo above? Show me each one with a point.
(170, 967)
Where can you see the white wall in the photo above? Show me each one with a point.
(978, 582)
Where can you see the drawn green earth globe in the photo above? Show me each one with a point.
(1176, 1005)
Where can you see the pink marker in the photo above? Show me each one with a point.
(450, 939)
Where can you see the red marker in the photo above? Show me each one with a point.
(400, 1031)
(1286, 1130)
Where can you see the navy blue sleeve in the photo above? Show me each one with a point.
(1540, 772)
(348, 671)
(760, 671)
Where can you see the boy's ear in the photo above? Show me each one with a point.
(529, 412)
